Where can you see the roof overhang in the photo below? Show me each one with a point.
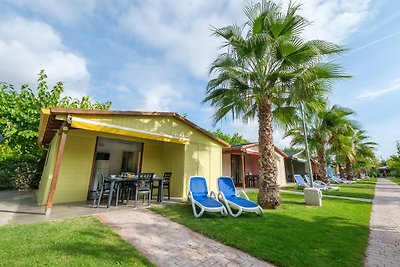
(52, 119)
(85, 124)
(48, 126)
(299, 160)
(249, 149)
(383, 168)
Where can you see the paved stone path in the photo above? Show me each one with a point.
(167, 243)
(384, 239)
(9, 203)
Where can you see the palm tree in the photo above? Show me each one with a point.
(359, 151)
(365, 155)
(326, 126)
(342, 148)
(265, 71)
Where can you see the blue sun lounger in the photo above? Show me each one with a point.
(227, 194)
(300, 183)
(316, 184)
(198, 196)
(320, 183)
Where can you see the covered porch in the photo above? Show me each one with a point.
(241, 163)
(83, 143)
(296, 164)
(20, 207)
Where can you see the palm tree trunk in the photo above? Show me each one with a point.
(268, 195)
(322, 172)
(341, 172)
(349, 170)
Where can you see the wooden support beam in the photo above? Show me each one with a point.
(291, 163)
(243, 173)
(56, 172)
(140, 160)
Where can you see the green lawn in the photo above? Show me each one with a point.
(361, 189)
(335, 234)
(73, 242)
(395, 180)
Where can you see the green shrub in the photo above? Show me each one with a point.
(18, 173)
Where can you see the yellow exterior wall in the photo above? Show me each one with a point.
(75, 171)
(203, 160)
(215, 166)
(47, 174)
(153, 157)
(76, 168)
(202, 156)
(174, 161)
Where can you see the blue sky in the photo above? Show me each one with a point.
(154, 55)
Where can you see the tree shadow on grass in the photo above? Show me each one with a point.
(99, 246)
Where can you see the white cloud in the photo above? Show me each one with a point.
(336, 20)
(26, 47)
(372, 94)
(150, 86)
(181, 29)
(180, 34)
(178, 31)
(66, 11)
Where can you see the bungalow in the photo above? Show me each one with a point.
(82, 143)
(384, 171)
(241, 163)
(296, 164)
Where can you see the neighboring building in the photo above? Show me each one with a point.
(384, 171)
(295, 164)
(82, 143)
(241, 163)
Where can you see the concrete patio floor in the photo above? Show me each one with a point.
(19, 207)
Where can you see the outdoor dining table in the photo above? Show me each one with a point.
(119, 179)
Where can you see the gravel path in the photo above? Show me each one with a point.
(384, 239)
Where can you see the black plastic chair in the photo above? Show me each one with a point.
(143, 186)
(103, 188)
(128, 190)
(166, 185)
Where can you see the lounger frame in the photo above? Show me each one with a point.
(203, 208)
(258, 210)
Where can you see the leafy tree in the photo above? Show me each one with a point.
(265, 70)
(234, 139)
(394, 161)
(398, 147)
(382, 162)
(19, 124)
(20, 113)
(363, 153)
(326, 128)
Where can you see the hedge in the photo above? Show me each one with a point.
(19, 173)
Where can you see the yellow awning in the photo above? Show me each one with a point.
(81, 123)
